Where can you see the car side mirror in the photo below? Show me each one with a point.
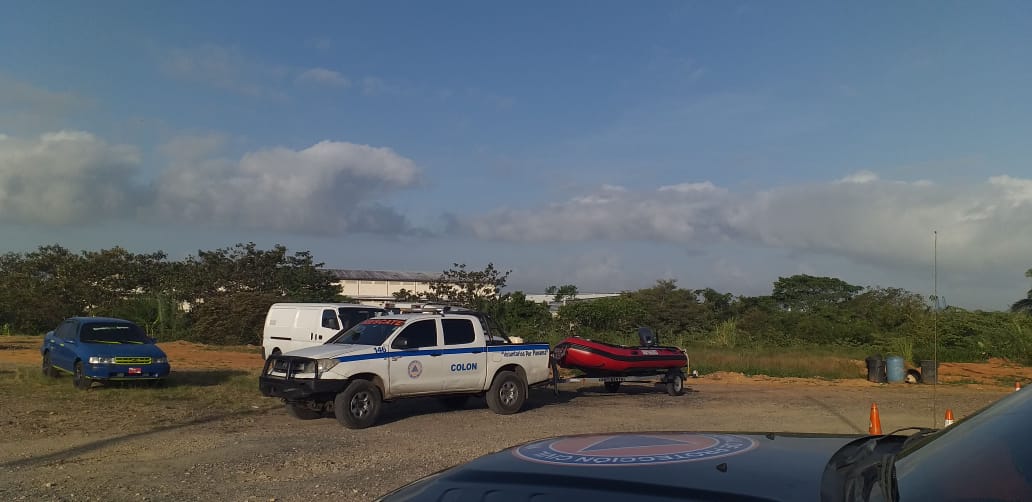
(400, 343)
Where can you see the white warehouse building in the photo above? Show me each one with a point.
(377, 287)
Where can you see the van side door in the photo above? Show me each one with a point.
(311, 329)
(465, 356)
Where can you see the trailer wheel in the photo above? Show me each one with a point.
(612, 386)
(675, 385)
(507, 394)
(359, 405)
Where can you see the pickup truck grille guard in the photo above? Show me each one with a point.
(290, 366)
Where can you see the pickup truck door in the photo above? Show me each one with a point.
(414, 362)
(465, 356)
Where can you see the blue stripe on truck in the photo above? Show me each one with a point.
(466, 350)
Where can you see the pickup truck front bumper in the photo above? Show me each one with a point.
(279, 379)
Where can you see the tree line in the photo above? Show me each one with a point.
(218, 296)
(222, 296)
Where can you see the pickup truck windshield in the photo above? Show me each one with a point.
(369, 332)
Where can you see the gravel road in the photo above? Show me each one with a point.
(178, 453)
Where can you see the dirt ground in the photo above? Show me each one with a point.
(173, 451)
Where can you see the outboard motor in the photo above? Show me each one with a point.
(647, 338)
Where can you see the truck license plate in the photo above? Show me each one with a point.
(135, 371)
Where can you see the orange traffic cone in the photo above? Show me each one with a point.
(949, 418)
(1017, 386)
(875, 420)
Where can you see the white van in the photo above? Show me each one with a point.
(292, 326)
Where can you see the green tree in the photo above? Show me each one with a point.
(41, 288)
(612, 317)
(231, 289)
(404, 295)
(806, 292)
(473, 289)
(1024, 305)
(520, 316)
(671, 310)
(560, 293)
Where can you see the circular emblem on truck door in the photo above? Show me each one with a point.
(415, 368)
(633, 449)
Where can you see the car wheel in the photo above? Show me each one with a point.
(79, 377)
(48, 367)
(359, 405)
(454, 402)
(612, 386)
(675, 385)
(302, 412)
(507, 394)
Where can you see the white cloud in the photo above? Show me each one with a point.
(193, 146)
(703, 187)
(16, 94)
(866, 219)
(28, 109)
(322, 76)
(73, 177)
(224, 68)
(860, 177)
(67, 177)
(1017, 192)
(327, 188)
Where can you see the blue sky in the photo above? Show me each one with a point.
(604, 144)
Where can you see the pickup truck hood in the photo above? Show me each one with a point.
(642, 466)
(332, 350)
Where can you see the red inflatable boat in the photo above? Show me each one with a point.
(604, 359)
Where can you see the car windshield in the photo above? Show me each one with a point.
(112, 333)
(370, 332)
(990, 446)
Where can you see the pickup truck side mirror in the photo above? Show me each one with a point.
(400, 343)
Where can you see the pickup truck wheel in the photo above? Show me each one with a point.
(507, 394)
(612, 386)
(79, 377)
(359, 405)
(302, 412)
(675, 385)
(454, 402)
(48, 367)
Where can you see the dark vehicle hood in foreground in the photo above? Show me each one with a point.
(641, 466)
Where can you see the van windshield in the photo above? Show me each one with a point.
(370, 332)
(349, 317)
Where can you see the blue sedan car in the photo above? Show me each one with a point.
(102, 349)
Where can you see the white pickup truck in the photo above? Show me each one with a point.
(451, 355)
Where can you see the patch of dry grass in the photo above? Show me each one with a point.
(775, 362)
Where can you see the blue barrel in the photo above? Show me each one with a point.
(894, 369)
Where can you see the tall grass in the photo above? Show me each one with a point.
(725, 334)
(774, 362)
(903, 346)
